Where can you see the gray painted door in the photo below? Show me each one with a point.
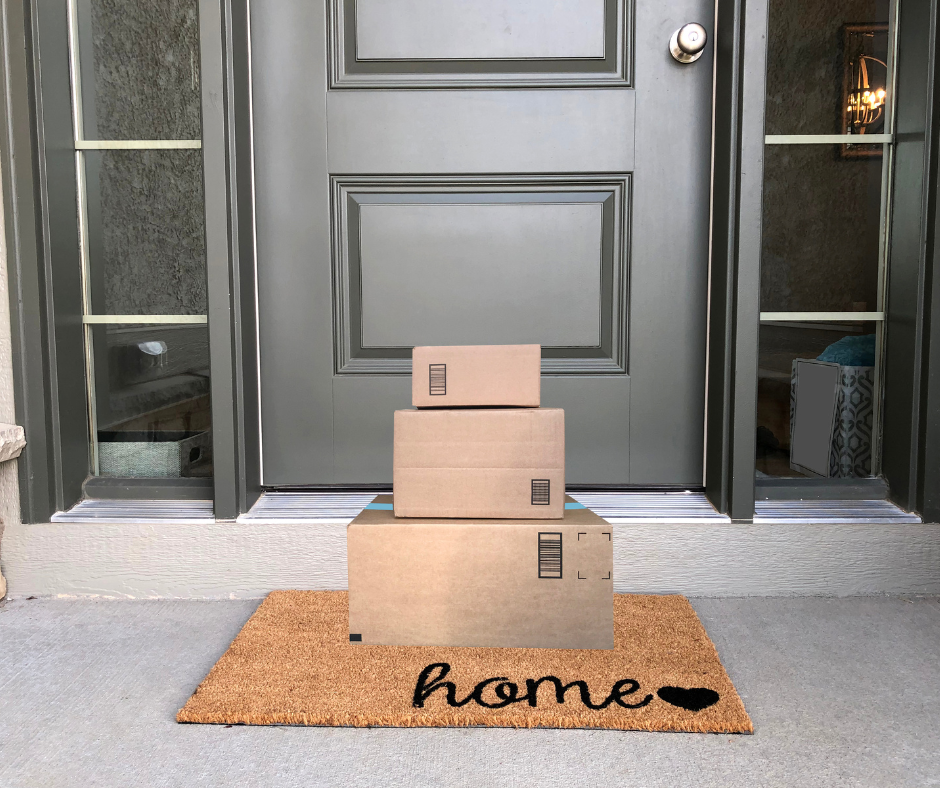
(484, 171)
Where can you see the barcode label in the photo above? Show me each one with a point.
(438, 377)
(541, 492)
(550, 556)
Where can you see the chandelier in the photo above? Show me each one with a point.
(865, 101)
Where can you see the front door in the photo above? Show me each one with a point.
(445, 172)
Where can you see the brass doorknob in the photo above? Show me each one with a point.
(688, 43)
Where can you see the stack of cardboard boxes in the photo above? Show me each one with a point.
(479, 545)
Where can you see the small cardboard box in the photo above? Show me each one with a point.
(476, 376)
(480, 463)
(521, 583)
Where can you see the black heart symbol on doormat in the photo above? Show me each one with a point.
(693, 698)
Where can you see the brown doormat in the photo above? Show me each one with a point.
(292, 664)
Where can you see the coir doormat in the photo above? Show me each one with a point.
(292, 664)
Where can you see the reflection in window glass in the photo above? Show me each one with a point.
(144, 211)
(146, 222)
(846, 408)
(140, 69)
(820, 52)
(821, 230)
(152, 400)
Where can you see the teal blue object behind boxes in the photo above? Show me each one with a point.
(389, 506)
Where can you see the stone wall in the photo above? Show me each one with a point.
(9, 485)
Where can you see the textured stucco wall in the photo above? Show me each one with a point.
(9, 489)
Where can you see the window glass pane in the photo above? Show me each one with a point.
(140, 69)
(822, 56)
(152, 400)
(825, 408)
(146, 223)
(820, 241)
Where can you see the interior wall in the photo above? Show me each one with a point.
(820, 237)
(145, 85)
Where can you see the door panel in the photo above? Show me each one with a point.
(482, 30)
(669, 275)
(292, 220)
(476, 261)
(538, 200)
(480, 131)
(597, 428)
(363, 419)
(535, 267)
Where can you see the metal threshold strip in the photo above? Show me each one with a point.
(617, 507)
(137, 511)
(826, 512)
(294, 507)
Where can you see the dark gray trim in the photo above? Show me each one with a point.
(612, 488)
(243, 265)
(24, 247)
(62, 260)
(774, 489)
(333, 488)
(226, 133)
(98, 487)
(928, 501)
(40, 197)
(928, 459)
(911, 432)
(740, 63)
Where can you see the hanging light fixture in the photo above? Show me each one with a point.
(866, 101)
(864, 86)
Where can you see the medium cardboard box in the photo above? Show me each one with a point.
(476, 376)
(440, 582)
(480, 463)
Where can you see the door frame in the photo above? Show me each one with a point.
(44, 306)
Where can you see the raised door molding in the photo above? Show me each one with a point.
(480, 260)
(428, 43)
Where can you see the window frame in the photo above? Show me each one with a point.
(40, 194)
(911, 425)
(910, 436)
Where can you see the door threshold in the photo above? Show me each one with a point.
(831, 512)
(616, 507)
(139, 510)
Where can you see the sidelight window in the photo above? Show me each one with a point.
(827, 167)
(137, 128)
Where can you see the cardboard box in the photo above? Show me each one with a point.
(440, 582)
(480, 463)
(476, 376)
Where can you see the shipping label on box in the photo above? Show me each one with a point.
(480, 463)
(476, 376)
(513, 583)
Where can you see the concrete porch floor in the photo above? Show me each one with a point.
(841, 691)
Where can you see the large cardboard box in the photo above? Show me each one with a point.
(480, 463)
(476, 376)
(440, 582)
